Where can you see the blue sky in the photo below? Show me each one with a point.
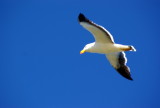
(40, 64)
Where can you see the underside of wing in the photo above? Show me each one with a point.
(100, 34)
(118, 61)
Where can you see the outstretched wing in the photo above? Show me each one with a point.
(118, 61)
(100, 33)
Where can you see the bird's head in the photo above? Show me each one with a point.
(87, 48)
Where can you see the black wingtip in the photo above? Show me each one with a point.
(82, 18)
(124, 71)
(130, 78)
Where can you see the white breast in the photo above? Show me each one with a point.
(104, 48)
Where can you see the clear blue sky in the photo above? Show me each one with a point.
(40, 64)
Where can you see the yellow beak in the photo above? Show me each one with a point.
(82, 51)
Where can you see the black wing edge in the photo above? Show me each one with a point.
(124, 71)
(82, 18)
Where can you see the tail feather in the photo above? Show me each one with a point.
(127, 48)
(132, 48)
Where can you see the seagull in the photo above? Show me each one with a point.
(104, 44)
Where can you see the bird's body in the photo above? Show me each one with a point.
(104, 44)
(105, 48)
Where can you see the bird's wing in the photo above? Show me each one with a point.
(118, 60)
(100, 33)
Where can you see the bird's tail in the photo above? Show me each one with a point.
(127, 48)
(132, 48)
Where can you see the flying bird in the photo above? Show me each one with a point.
(104, 44)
